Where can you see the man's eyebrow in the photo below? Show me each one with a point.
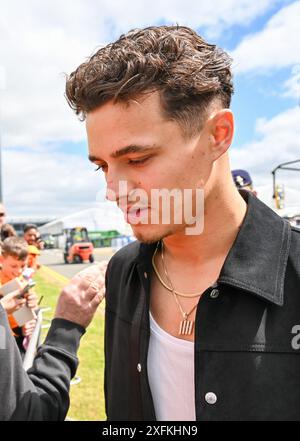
(128, 149)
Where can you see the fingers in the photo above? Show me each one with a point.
(96, 300)
(19, 303)
(31, 299)
(80, 298)
(102, 266)
(14, 294)
(31, 296)
(29, 325)
(28, 328)
(90, 280)
(93, 271)
(95, 288)
(12, 304)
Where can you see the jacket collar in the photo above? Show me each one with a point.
(256, 263)
(258, 258)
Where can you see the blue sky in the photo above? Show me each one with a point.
(45, 169)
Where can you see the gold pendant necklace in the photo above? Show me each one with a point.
(186, 326)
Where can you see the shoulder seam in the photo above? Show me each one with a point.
(297, 230)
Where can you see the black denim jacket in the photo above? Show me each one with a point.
(247, 338)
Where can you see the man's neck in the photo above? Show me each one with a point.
(224, 213)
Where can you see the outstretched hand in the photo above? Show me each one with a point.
(12, 302)
(79, 300)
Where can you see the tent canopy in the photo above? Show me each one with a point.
(104, 217)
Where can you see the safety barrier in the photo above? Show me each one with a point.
(34, 342)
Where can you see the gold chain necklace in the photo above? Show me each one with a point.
(186, 326)
(169, 288)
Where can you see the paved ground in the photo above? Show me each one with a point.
(54, 260)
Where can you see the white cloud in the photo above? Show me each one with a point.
(40, 40)
(48, 184)
(276, 46)
(215, 16)
(278, 143)
(45, 183)
(291, 86)
(291, 197)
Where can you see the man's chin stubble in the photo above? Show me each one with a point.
(152, 237)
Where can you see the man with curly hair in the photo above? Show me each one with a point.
(197, 326)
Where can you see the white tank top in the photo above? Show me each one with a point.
(171, 375)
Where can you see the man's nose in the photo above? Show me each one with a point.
(117, 187)
(112, 178)
(111, 193)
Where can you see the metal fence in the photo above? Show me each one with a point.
(34, 342)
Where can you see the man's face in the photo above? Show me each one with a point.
(12, 267)
(30, 236)
(2, 215)
(136, 144)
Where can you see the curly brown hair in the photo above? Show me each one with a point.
(188, 73)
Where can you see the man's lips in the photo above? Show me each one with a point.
(133, 215)
(131, 208)
(134, 209)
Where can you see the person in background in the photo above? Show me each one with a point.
(14, 260)
(42, 393)
(7, 230)
(242, 180)
(2, 214)
(30, 235)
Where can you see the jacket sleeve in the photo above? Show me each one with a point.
(41, 394)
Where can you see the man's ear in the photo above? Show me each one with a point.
(221, 128)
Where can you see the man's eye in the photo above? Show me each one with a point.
(104, 167)
(101, 167)
(138, 161)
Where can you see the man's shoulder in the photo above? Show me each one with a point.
(125, 257)
(135, 253)
(296, 230)
(294, 254)
(130, 251)
(295, 237)
(118, 272)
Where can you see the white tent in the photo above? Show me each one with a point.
(104, 217)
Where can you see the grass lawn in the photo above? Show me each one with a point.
(87, 398)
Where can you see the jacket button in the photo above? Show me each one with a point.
(145, 275)
(211, 398)
(139, 367)
(214, 293)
